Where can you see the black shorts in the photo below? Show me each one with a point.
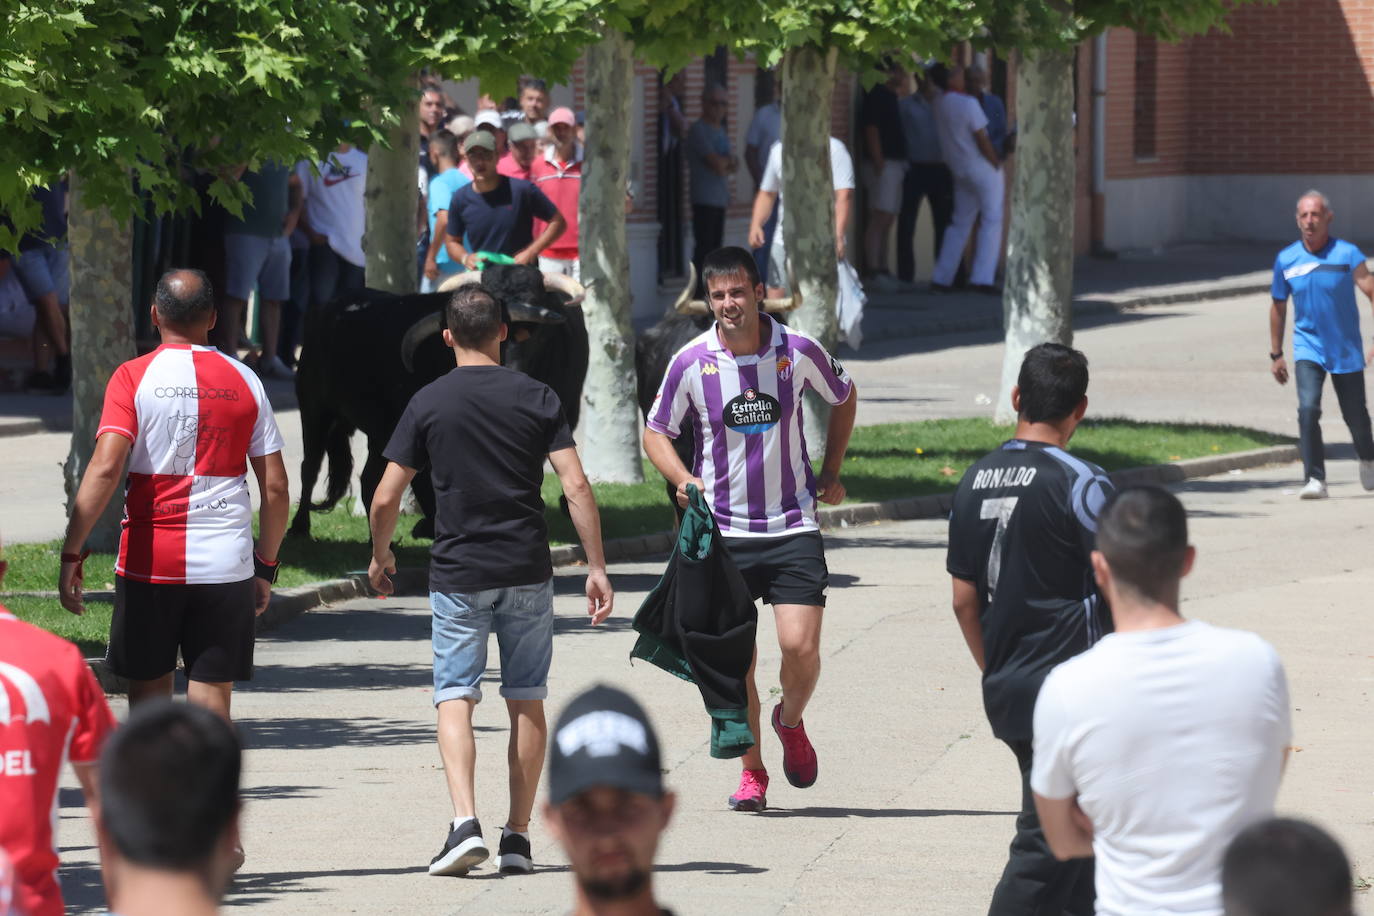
(783, 570)
(212, 625)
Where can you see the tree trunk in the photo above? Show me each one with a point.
(808, 229)
(1038, 299)
(102, 336)
(392, 201)
(610, 415)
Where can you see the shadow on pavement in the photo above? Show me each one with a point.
(306, 733)
(362, 676)
(82, 888)
(710, 868)
(881, 812)
(256, 793)
(249, 888)
(356, 625)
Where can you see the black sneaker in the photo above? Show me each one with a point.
(513, 858)
(462, 850)
(62, 372)
(37, 382)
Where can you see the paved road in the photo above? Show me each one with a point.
(914, 806)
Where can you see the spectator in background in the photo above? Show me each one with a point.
(432, 116)
(884, 168)
(672, 130)
(490, 120)
(558, 173)
(1157, 745)
(523, 145)
(978, 188)
(496, 213)
(51, 711)
(42, 269)
(927, 176)
(710, 164)
(993, 107)
(168, 822)
(769, 200)
(1285, 867)
(764, 130)
(293, 309)
(257, 254)
(443, 149)
(460, 126)
(607, 806)
(534, 104)
(333, 220)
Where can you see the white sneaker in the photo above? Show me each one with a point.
(1314, 489)
(273, 367)
(1367, 474)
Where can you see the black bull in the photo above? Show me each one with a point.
(365, 356)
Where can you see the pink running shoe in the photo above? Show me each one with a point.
(799, 763)
(751, 795)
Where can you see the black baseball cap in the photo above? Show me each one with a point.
(603, 738)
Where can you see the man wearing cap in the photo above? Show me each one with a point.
(490, 121)
(496, 213)
(523, 146)
(607, 806)
(558, 173)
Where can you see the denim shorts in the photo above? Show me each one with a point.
(522, 618)
(252, 260)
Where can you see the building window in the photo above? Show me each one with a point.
(1146, 93)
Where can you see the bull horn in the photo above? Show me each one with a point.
(685, 304)
(790, 303)
(533, 314)
(459, 280)
(415, 334)
(562, 283)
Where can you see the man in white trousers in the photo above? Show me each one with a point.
(978, 189)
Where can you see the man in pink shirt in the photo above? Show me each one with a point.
(523, 145)
(558, 173)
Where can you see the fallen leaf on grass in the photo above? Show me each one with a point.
(948, 471)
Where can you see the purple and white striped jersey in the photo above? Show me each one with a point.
(747, 413)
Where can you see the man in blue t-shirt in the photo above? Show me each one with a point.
(443, 152)
(1321, 273)
(495, 213)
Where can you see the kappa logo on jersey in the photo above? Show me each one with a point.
(784, 368)
(709, 369)
(751, 413)
(836, 368)
(35, 704)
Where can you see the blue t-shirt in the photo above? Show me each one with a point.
(1326, 321)
(502, 219)
(441, 190)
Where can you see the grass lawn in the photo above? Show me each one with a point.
(883, 462)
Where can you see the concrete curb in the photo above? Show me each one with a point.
(290, 603)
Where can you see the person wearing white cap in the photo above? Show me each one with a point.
(607, 805)
(488, 119)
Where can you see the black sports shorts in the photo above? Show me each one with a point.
(783, 570)
(212, 625)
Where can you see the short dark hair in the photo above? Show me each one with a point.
(169, 784)
(473, 316)
(444, 143)
(533, 82)
(727, 262)
(1143, 535)
(184, 297)
(1285, 867)
(938, 74)
(1053, 381)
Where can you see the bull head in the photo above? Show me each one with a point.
(686, 305)
(518, 311)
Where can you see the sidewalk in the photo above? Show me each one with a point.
(1188, 272)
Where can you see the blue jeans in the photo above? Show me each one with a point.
(522, 617)
(331, 275)
(1349, 394)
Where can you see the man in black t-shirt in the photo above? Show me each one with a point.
(884, 169)
(496, 213)
(1021, 536)
(484, 432)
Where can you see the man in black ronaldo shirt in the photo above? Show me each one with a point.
(1020, 538)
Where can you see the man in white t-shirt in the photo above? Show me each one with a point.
(770, 190)
(978, 189)
(333, 220)
(1154, 748)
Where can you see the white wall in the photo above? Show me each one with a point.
(1150, 212)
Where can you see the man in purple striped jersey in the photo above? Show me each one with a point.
(740, 385)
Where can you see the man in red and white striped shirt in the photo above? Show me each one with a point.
(189, 420)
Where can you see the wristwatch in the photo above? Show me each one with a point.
(1274, 356)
